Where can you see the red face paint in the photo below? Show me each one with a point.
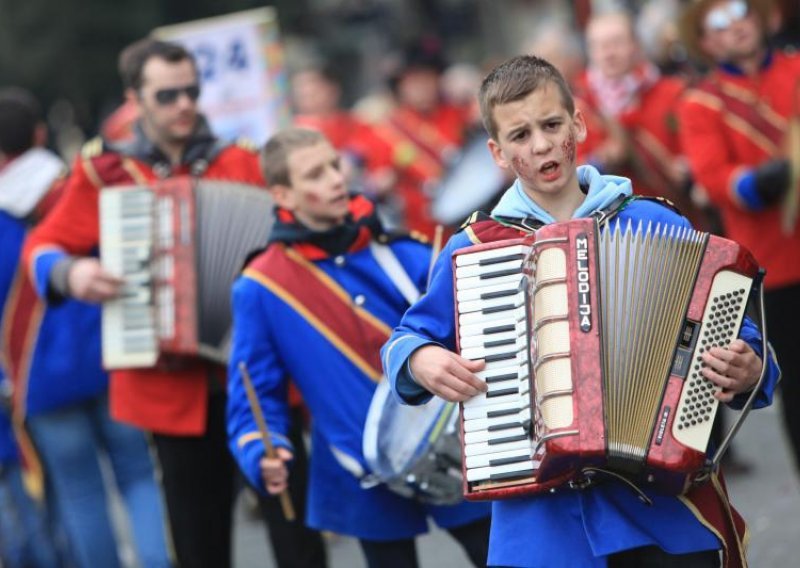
(522, 168)
(568, 148)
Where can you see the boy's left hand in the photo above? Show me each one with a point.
(735, 369)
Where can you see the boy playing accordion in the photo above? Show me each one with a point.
(534, 127)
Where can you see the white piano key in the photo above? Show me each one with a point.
(480, 448)
(488, 329)
(481, 340)
(481, 400)
(477, 317)
(517, 469)
(485, 271)
(499, 421)
(505, 408)
(490, 254)
(494, 304)
(482, 352)
(495, 373)
(485, 460)
(478, 282)
(477, 293)
(495, 437)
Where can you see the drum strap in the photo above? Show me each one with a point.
(388, 262)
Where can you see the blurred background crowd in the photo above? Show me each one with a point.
(392, 84)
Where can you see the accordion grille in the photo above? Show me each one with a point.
(232, 220)
(647, 276)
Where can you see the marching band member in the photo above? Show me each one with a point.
(637, 135)
(181, 404)
(733, 129)
(529, 112)
(422, 134)
(52, 356)
(315, 306)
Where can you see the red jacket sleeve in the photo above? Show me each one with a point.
(704, 142)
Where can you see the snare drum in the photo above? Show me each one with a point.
(414, 450)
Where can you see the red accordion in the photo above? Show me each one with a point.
(593, 341)
(179, 245)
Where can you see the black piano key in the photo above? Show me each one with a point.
(498, 413)
(499, 273)
(499, 259)
(499, 343)
(500, 294)
(506, 426)
(506, 461)
(502, 392)
(495, 309)
(499, 378)
(500, 356)
(508, 439)
(498, 329)
(511, 474)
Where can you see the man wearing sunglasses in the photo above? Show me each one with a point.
(734, 130)
(182, 406)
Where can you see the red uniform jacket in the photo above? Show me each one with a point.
(419, 147)
(650, 127)
(163, 401)
(725, 125)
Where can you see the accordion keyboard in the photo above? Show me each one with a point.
(128, 327)
(492, 326)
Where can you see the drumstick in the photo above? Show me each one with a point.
(286, 501)
(436, 248)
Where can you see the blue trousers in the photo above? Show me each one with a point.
(25, 537)
(71, 442)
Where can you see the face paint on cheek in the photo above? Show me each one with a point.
(522, 168)
(313, 199)
(568, 148)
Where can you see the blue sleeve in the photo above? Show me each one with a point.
(431, 320)
(745, 188)
(253, 344)
(43, 264)
(752, 335)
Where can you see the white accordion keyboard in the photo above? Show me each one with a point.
(128, 328)
(492, 326)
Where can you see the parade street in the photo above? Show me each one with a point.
(768, 497)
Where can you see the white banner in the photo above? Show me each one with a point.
(242, 73)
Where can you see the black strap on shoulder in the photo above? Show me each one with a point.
(526, 224)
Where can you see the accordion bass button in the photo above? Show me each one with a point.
(339, 261)
(360, 300)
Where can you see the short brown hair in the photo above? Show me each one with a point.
(275, 154)
(516, 79)
(132, 59)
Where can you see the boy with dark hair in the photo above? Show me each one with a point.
(316, 306)
(527, 110)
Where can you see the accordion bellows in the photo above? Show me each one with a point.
(179, 245)
(593, 342)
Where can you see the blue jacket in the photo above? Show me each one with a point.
(65, 361)
(276, 342)
(567, 528)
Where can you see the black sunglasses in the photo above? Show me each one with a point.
(169, 96)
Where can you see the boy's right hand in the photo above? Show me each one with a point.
(446, 374)
(274, 472)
